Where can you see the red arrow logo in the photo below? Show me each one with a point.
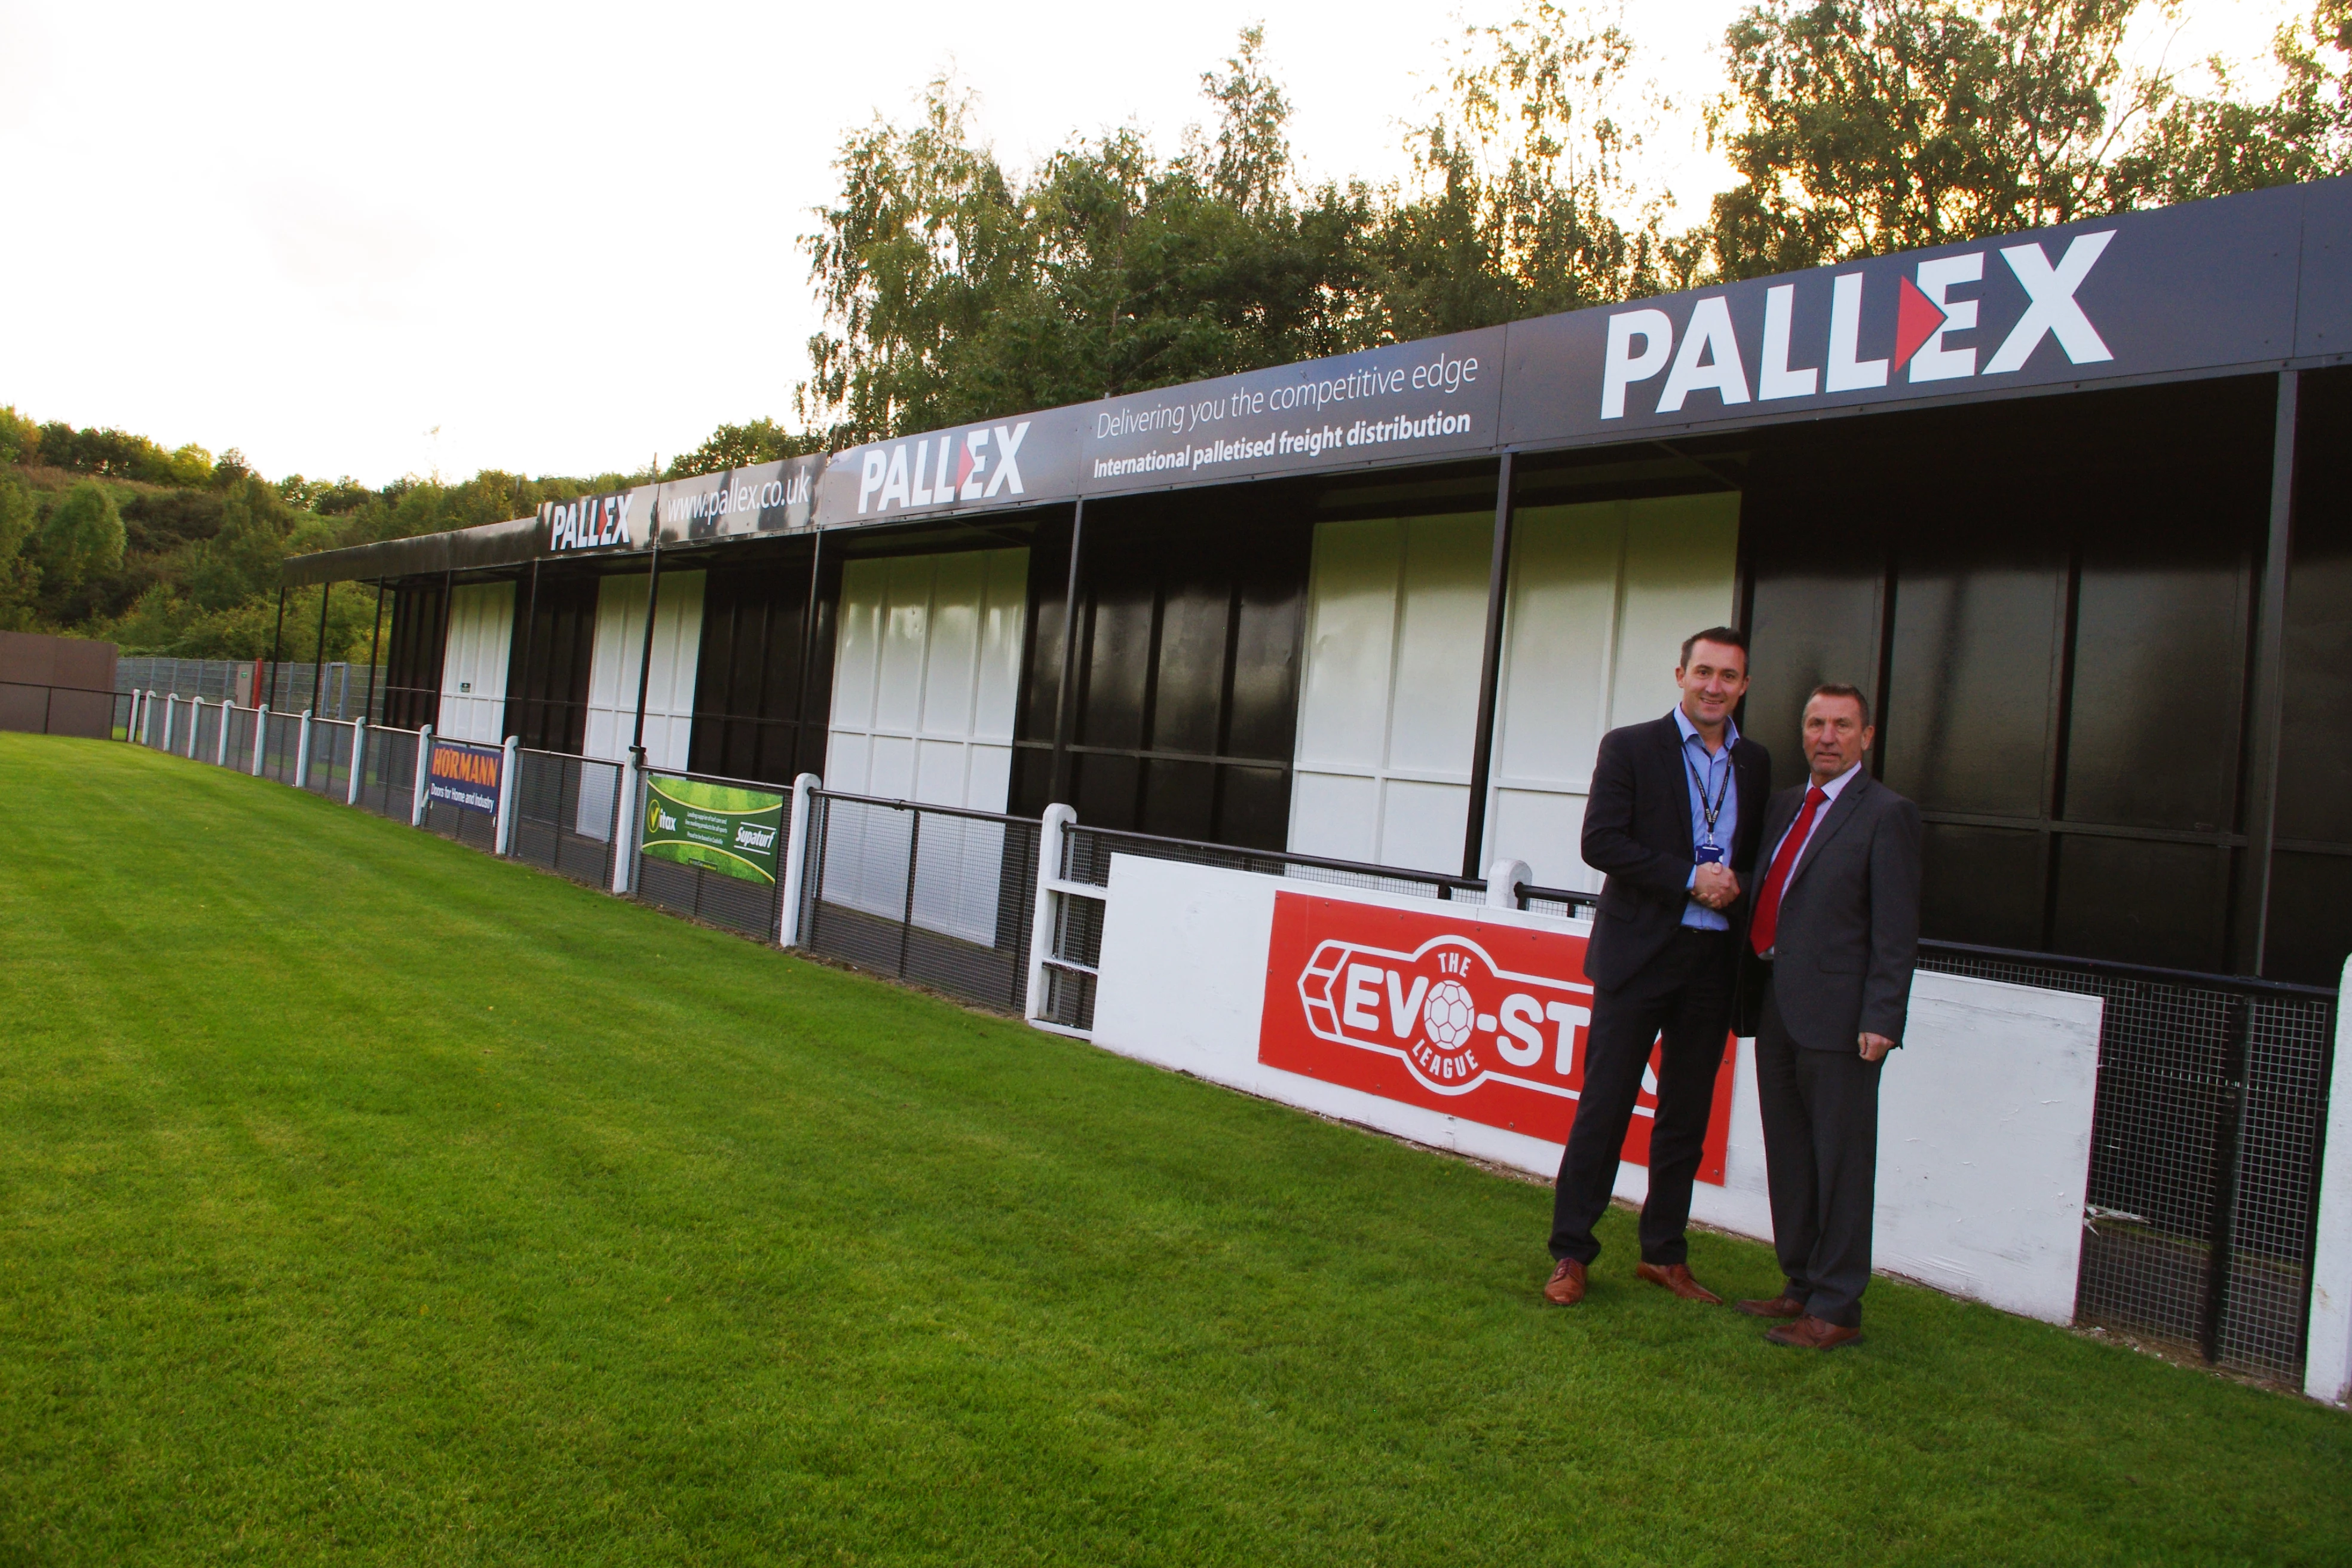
(1916, 318)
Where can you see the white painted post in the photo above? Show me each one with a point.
(260, 734)
(788, 918)
(359, 750)
(171, 714)
(147, 720)
(303, 754)
(1041, 920)
(195, 724)
(624, 827)
(1503, 879)
(2327, 1348)
(220, 748)
(506, 796)
(424, 765)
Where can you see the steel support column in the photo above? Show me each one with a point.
(375, 645)
(646, 655)
(277, 636)
(1490, 668)
(319, 656)
(1065, 699)
(808, 658)
(2267, 692)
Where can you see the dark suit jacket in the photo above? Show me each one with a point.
(1849, 924)
(1637, 831)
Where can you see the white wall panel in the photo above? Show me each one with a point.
(474, 664)
(1396, 614)
(927, 670)
(1601, 596)
(620, 654)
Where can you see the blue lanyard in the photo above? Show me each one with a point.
(1710, 809)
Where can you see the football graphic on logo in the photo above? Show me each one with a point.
(1450, 1015)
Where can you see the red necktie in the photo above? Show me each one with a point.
(1767, 922)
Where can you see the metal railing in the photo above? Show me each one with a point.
(388, 773)
(2206, 1134)
(1561, 903)
(934, 894)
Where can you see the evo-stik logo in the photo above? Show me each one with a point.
(963, 465)
(1927, 321)
(592, 522)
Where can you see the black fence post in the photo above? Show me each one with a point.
(2229, 1142)
(914, 856)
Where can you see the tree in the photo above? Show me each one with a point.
(2212, 146)
(20, 578)
(81, 539)
(742, 446)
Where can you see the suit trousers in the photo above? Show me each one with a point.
(1685, 994)
(1821, 1164)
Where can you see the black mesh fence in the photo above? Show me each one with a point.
(388, 773)
(1561, 903)
(566, 812)
(932, 894)
(241, 722)
(2205, 1143)
(208, 733)
(477, 829)
(330, 770)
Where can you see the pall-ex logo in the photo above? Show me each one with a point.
(590, 523)
(1450, 1014)
(1929, 324)
(963, 465)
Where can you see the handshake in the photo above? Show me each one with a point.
(1715, 885)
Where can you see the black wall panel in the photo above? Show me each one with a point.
(750, 722)
(413, 650)
(1191, 615)
(547, 668)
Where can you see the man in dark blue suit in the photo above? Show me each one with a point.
(1673, 820)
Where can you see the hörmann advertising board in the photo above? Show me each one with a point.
(1436, 398)
(464, 775)
(2207, 286)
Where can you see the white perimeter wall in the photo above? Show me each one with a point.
(1600, 598)
(473, 663)
(1984, 1122)
(926, 671)
(2327, 1357)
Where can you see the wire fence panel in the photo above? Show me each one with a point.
(2205, 1143)
(281, 747)
(1087, 852)
(1561, 903)
(566, 810)
(240, 739)
(932, 894)
(479, 829)
(388, 773)
(331, 759)
(209, 719)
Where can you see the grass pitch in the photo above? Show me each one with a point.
(363, 1199)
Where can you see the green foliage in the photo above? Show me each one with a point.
(1860, 127)
(20, 438)
(82, 538)
(742, 446)
(117, 454)
(20, 577)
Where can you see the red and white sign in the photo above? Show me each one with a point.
(1478, 1019)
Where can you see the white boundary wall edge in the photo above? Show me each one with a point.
(1985, 1115)
(2327, 1347)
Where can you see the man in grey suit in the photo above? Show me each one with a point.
(1835, 929)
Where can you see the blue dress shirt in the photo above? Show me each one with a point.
(1711, 770)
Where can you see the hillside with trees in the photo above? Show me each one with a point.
(956, 289)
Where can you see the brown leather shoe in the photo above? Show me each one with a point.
(1811, 1333)
(1566, 1286)
(1676, 1276)
(1781, 1306)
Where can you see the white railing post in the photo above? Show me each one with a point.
(1050, 827)
(359, 750)
(303, 754)
(624, 827)
(424, 773)
(506, 796)
(2327, 1347)
(147, 720)
(220, 750)
(1503, 879)
(788, 918)
(171, 715)
(195, 724)
(261, 735)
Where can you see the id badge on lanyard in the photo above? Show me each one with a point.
(1709, 853)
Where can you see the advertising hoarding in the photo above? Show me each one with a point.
(464, 775)
(1473, 1019)
(721, 827)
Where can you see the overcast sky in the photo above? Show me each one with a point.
(561, 239)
